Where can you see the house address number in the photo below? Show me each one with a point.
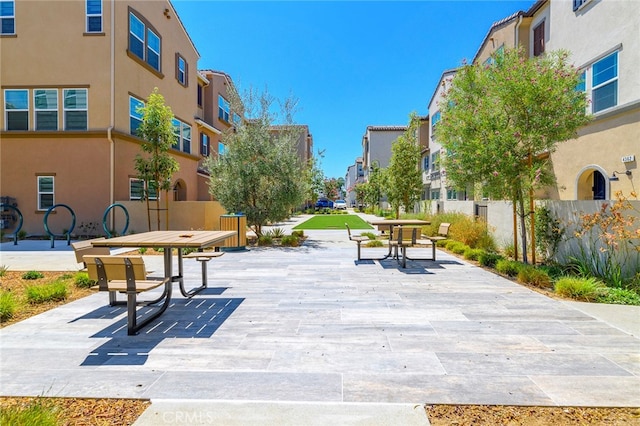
(628, 158)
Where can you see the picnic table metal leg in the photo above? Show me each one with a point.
(189, 294)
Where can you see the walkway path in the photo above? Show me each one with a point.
(295, 332)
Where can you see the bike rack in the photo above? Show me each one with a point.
(106, 213)
(69, 231)
(15, 233)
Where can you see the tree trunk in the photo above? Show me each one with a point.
(523, 227)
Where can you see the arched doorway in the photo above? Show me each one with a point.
(179, 191)
(591, 185)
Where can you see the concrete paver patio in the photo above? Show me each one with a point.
(311, 325)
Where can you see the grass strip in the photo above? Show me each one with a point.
(334, 221)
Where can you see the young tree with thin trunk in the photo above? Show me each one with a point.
(404, 178)
(501, 121)
(158, 166)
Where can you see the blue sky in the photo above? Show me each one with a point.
(350, 64)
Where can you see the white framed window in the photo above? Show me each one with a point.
(75, 109)
(137, 190)
(223, 109)
(16, 107)
(94, 16)
(46, 192)
(604, 81)
(204, 144)
(182, 136)
(7, 17)
(600, 83)
(181, 70)
(144, 42)
(45, 104)
(135, 114)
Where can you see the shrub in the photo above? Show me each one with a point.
(459, 248)
(453, 245)
(369, 235)
(54, 291)
(473, 232)
(554, 270)
(265, 240)
(534, 276)
(82, 280)
(299, 233)
(508, 267)
(290, 241)
(374, 243)
(489, 259)
(473, 254)
(587, 289)
(619, 296)
(142, 250)
(509, 251)
(22, 234)
(39, 412)
(3, 270)
(32, 275)
(7, 305)
(277, 233)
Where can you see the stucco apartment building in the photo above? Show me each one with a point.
(603, 38)
(69, 104)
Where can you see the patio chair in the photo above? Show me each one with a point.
(359, 239)
(443, 232)
(403, 238)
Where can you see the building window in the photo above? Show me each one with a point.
(16, 106)
(435, 194)
(220, 148)
(94, 16)
(135, 114)
(186, 138)
(144, 42)
(204, 144)
(181, 70)
(538, 39)
(452, 194)
(223, 109)
(45, 192)
(604, 83)
(45, 102)
(425, 163)
(200, 95)
(577, 4)
(75, 109)
(435, 118)
(7, 17)
(182, 136)
(236, 119)
(137, 190)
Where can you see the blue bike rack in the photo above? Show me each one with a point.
(106, 213)
(51, 234)
(15, 233)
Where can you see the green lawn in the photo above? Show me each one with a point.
(334, 221)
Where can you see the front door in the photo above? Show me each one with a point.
(598, 186)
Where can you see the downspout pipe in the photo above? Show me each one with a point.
(112, 114)
(516, 39)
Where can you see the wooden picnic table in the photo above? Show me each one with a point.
(168, 240)
(389, 224)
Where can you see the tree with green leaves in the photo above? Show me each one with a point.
(260, 173)
(314, 178)
(500, 122)
(157, 167)
(404, 177)
(373, 188)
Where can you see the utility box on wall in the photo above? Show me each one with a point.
(238, 223)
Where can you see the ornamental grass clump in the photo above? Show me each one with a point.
(54, 291)
(374, 243)
(489, 259)
(82, 280)
(508, 267)
(290, 241)
(585, 289)
(534, 276)
(8, 305)
(265, 240)
(473, 254)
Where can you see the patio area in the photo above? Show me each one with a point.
(310, 324)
